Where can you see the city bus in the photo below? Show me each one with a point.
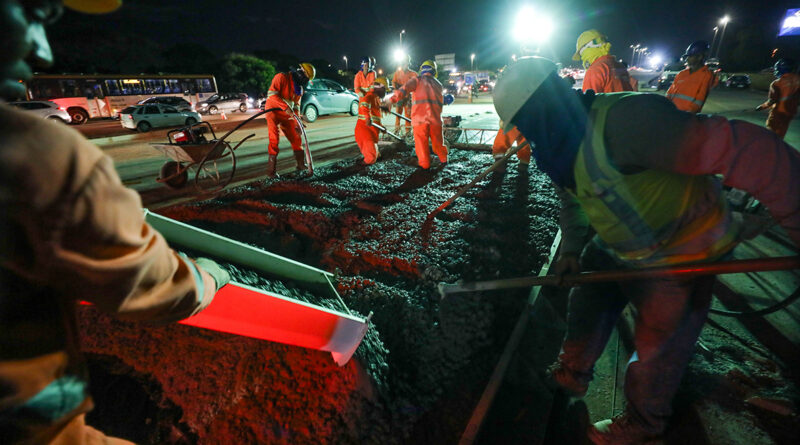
(86, 96)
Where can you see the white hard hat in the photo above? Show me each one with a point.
(517, 84)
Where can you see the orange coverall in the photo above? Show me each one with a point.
(369, 110)
(634, 84)
(605, 75)
(503, 141)
(363, 82)
(282, 95)
(784, 95)
(426, 116)
(689, 90)
(404, 106)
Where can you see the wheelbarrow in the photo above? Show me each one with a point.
(213, 162)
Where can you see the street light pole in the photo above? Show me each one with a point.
(711, 50)
(345, 62)
(401, 37)
(472, 62)
(724, 23)
(633, 54)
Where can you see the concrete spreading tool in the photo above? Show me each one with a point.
(687, 270)
(500, 162)
(384, 130)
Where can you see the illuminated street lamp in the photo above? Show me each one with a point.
(724, 22)
(641, 53)
(711, 50)
(345, 62)
(401, 37)
(531, 27)
(633, 53)
(472, 62)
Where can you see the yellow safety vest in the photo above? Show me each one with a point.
(643, 217)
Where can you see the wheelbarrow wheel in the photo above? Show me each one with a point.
(216, 170)
(174, 175)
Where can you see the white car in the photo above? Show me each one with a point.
(45, 109)
(147, 116)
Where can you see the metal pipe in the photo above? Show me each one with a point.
(383, 129)
(398, 115)
(684, 271)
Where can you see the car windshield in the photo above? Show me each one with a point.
(128, 110)
(214, 97)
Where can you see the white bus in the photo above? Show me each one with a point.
(102, 95)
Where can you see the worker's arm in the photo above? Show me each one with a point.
(772, 96)
(646, 131)
(83, 234)
(407, 89)
(574, 227)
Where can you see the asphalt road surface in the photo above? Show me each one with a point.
(330, 139)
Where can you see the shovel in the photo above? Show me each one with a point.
(500, 162)
(684, 271)
(384, 130)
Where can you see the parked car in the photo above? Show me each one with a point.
(323, 96)
(224, 102)
(45, 109)
(147, 116)
(738, 81)
(178, 102)
(666, 79)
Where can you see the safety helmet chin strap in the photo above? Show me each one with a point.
(554, 121)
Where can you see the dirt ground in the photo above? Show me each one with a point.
(419, 371)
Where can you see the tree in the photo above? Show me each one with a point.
(244, 73)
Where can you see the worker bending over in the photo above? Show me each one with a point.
(285, 92)
(365, 77)
(784, 95)
(403, 106)
(643, 175)
(369, 112)
(426, 113)
(604, 74)
(71, 232)
(690, 88)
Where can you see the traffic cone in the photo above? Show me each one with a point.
(224, 117)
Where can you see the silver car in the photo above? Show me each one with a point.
(323, 96)
(224, 102)
(45, 109)
(145, 117)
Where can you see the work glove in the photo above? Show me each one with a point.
(221, 276)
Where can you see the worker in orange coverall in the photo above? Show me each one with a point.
(285, 93)
(401, 76)
(426, 113)
(784, 95)
(365, 77)
(369, 111)
(506, 139)
(633, 81)
(604, 74)
(690, 88)
(71, 232)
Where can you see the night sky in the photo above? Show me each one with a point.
(331, 29)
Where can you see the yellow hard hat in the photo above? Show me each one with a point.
(428, 66)
(591, 36)
(93, 6)
(309, 69)
(382, 81)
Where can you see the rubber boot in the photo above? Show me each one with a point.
(300, 158)
(272, 165)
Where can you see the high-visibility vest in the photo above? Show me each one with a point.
(642, 216)
(369, 105)
(786, 93)
(689, 90)
(426, 108)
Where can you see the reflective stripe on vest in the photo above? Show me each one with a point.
(642, 216)
(691, 99)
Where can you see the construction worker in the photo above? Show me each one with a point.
(690, 88)
(403, 107)
(604, 74)
(285, 93)
(426, 113)
(643, 175)
(71, 232)
(369, 112)
(784, 95)
(505, 140)
(365, 77)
